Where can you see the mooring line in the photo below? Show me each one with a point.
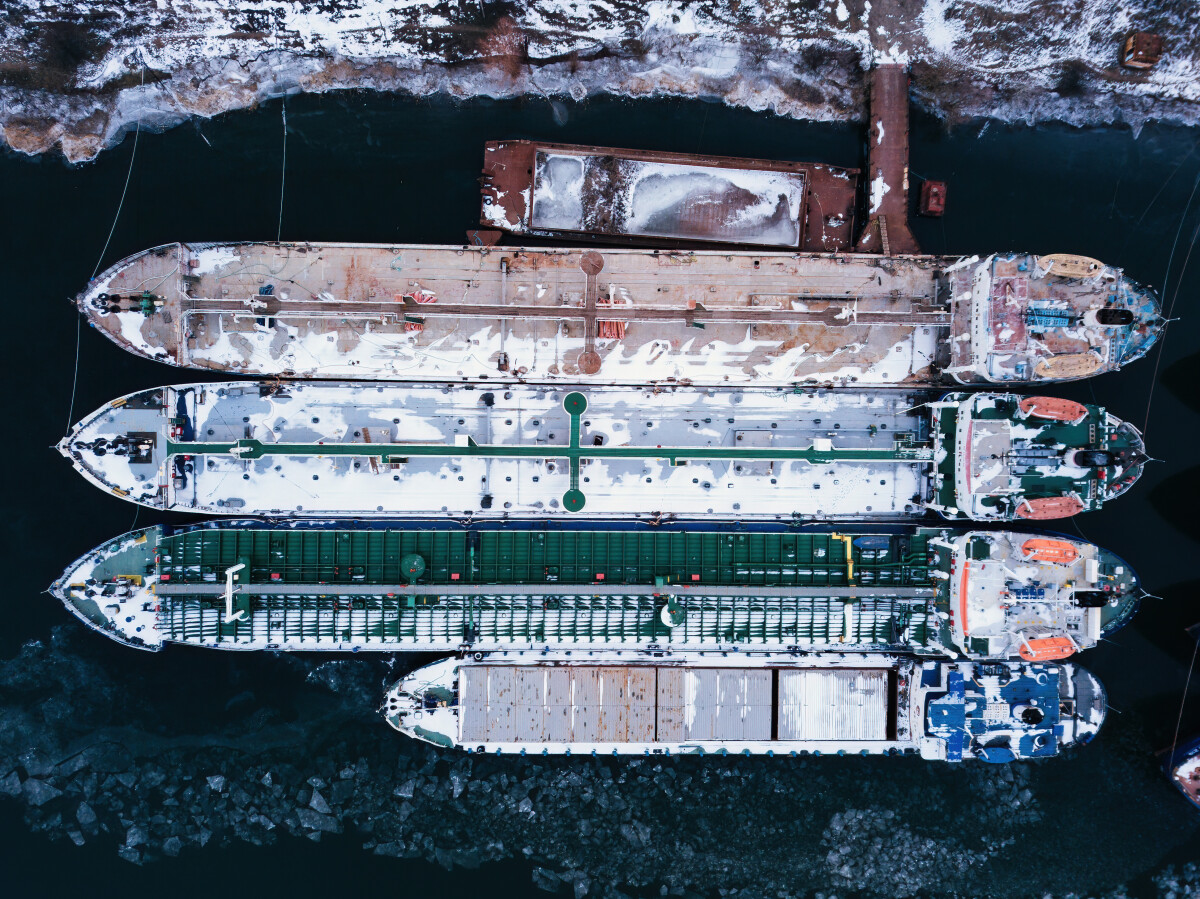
(116, 218)
(1183, 701)
(1175, 296)
(132, 156)
(282, 172)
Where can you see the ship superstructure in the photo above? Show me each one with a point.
(697, 703)
(517, 451)
(341, 586)
(622, 316)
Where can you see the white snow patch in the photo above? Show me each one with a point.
(879, 189)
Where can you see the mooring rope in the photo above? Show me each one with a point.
(282, 173)
(1175, 296)
(75, 379)
(132, 156)
(120, 205)
(1182, 702)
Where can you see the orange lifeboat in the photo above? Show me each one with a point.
(1050, 507)
(1043, 549)
(1053, 408)
(1047, 649)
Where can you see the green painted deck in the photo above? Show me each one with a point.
(325, 588)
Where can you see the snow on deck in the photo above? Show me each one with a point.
(657, 199)
(450, 484)
(335, 311)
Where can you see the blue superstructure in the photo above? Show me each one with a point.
(1001, 713)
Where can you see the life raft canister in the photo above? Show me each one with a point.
(1043, 549)
(1046, 649)
(1053, 408)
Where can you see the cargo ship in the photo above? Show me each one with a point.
(348, 586)
(593, 703)
(341, 449)
(569, 192)
(621, 316)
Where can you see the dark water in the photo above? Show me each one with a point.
(370, 168)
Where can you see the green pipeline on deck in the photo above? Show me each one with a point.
(575, 405)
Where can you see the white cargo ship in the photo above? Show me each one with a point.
(352, 450)
(602, 703)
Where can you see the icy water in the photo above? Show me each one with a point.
(370, 168)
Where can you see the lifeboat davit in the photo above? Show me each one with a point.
(1046, 649)
(1043, 549)
(1050, 507)
(1054, 409)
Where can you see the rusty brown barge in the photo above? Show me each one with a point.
(640, 197)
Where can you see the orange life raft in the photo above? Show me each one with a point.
(1053, 408)
(1045, 649)
(1050, 507)
(1043, 549)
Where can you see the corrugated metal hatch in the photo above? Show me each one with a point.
(828, 704)
(644, 704)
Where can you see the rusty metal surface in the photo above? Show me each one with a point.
(886, 181)
(565, 191)
(714, 704)
(356, 311)
(615, 316)
(545, 704)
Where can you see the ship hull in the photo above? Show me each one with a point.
(352, 450)
(353, 586)
(639, 197)
(617, 316)
(695, 704)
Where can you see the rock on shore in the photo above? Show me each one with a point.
(76, 74)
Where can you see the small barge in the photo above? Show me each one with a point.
(330, 449)
(562, 191)
(348, 586)
(604, 703)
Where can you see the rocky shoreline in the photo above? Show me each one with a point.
(92, 757)
(77, 76)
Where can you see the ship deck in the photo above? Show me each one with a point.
(354, 449)
(349, 586)
(489, 589)
(627, 196)
(454, 313)
(583, 704)
(619, 316)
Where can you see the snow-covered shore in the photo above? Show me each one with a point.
(76, 74)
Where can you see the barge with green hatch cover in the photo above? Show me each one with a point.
(351, 586)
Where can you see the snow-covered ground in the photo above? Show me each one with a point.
(77, 73)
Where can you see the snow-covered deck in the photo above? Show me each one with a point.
(338, 310)
(509, 453)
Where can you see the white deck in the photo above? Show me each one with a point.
(457, 485)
